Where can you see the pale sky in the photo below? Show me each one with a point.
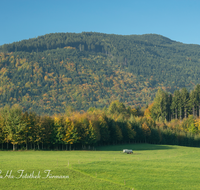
(175, 19)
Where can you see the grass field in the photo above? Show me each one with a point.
(149, 167)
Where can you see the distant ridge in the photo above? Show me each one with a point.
(90, 69)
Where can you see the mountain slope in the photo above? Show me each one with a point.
(47, 73)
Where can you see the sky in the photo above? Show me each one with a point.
(174, 19)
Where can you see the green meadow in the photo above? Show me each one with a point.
(149, 167)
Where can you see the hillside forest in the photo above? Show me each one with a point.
(47, 74)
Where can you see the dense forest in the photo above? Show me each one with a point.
(73, 130)
(48, 73)
(179, 105)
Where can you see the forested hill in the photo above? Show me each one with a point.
(46, 73)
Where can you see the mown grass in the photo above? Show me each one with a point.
(150, 167)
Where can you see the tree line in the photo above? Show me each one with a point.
(73, 130)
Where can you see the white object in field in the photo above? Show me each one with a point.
(127, 151)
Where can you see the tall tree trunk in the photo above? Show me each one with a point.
(176, 113)
(13, 147)
(26, 145)
(180, 114)
(38, 146)
(66, 147)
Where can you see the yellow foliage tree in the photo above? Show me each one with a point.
(72, 135)
(147, 112)
(146, 130)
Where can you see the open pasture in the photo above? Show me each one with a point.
(149, 167)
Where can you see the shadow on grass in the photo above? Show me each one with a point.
(134, 147)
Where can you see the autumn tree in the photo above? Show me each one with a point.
(146, 131)
(60, 129)
(4, 119)
(2, 134)
(15, 125)
(72, 135)
(117, 107)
